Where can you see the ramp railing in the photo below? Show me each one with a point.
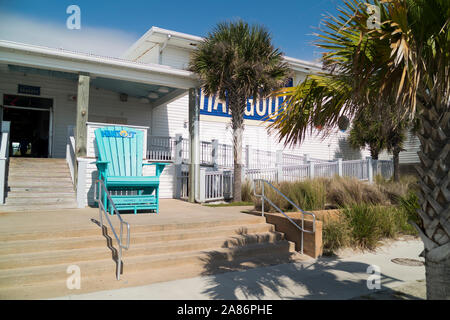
(264, 198)
(103, 210)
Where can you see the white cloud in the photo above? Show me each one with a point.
(101, 41)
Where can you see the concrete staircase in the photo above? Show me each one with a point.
(33, 265)
(39, 184)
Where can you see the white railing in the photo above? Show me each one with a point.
(355, 168)
(215, 185)
(70, 152)
(161, 148)
(225, 156)
(185, 150)
(205, 152)
(294, 173)
(385, 168)
(4, 159)
(269, 174)
(326, 169)
(184, 184)
(261, 159)
(293, 159)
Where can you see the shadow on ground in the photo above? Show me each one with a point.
(282, 276)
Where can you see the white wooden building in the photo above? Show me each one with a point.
(148, 88)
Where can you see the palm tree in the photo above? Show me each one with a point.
(405, 59)
(236, 62)
(373, 130)
(367, 130)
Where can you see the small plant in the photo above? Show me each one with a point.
(336, 234)
(364, 224)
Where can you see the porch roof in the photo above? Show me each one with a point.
(98, 66)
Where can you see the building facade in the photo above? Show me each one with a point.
(44, 95)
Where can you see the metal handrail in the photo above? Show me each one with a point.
(102, 209)
(263, 197)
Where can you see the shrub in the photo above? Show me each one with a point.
(363, 222)
(336, 234)
(307, 195)
(247, 191)
(349, 191)
(409, 205)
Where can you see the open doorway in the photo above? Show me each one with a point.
(30, 119)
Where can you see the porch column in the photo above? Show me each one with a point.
(82, 115)
(194, 144)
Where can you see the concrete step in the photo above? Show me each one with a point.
(32, 201)
(36, 189)
(39, 245)
(71, 256)
(202, 259)
(50, 194)
(18, 174)
(107, 281)
(40, 183)
(38, 207)
(58, 233)
(14, 181)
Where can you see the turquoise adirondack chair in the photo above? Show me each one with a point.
(120, 154)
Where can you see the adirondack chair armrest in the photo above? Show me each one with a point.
(102, 166)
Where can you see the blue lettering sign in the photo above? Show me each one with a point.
(255, 110)
(118, 134)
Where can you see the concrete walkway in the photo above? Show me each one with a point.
(324, 278)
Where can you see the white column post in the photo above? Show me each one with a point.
(311, 169)
(339, 161)
(202, 189)
(369, 169)
(247, 156)
(279, 165)
(215, 153)
(81, 183)
(178, 161)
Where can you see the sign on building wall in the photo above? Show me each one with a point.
(255, 110)
(22, 88)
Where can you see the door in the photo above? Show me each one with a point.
(30, 125)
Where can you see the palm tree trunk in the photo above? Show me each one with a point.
(434, 197)
(237, 122)
(237, 148)
(396, 154)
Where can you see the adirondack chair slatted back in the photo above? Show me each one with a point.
(122, 147)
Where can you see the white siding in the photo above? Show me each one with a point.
(171, 119)
(175, 57)
(412, 146)
(104, 105)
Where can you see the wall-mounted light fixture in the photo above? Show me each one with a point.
(153, 95)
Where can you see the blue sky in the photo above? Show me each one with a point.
(109, 27)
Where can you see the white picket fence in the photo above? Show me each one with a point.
(217, 185)
(216, 182)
